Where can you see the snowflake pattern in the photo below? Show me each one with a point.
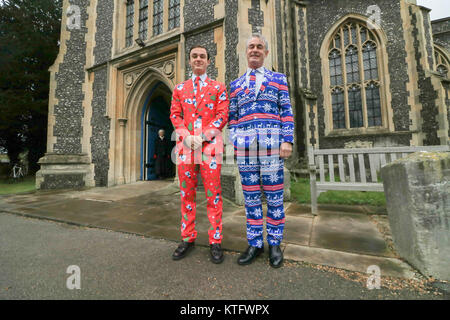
(277, 213)
(273, 177)
(267, 107)
(257, 212)
(253, 178)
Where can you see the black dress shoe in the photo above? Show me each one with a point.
(275, 256)
(182, 250)
(249, 255)
(216, 253)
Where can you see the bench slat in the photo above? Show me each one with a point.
(382, 159)
(321, 169)
(341, 167)
(351, 167)
(350, 186)
(331, 167)
(442, 148)
(393, 156)
(373, 163)
(362, 168)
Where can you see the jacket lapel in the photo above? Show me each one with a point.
(189, 89)
(241, 83)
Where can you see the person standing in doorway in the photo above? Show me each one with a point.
(162, 155)
(199, 111)
(261, 128)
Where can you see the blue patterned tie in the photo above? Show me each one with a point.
(251, 84)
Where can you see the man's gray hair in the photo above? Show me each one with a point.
(259, 36)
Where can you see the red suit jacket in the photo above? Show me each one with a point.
(207, 119)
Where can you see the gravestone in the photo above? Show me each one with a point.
(417, 190)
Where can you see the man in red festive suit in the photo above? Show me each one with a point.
(199, 111)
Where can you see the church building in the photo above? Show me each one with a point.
(361, 74)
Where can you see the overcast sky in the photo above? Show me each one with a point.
(439, 8)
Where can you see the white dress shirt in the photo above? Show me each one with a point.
(259, 73)
(202, 79)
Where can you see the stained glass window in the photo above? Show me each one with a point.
(129, 23)
(355, 107)
(354, 78)
(370, 61)
(352, 64)
(174, 14)
(143, 19)
(373, 105)
(158, 6)
(335, 68)
(338, 108)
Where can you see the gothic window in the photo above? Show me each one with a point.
(174, 14)
(335, 68)
(352, 64)
(143, 19)
(129, 23)
(337, 95)
(158, 6)
(442, 63)
(354, 78)
(373, 102)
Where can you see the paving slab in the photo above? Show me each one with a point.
(122, 192)
(346, 231)
(298, 229)
(349, 261)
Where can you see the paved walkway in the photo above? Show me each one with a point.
(342, 237)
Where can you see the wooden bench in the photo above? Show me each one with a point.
(351, 165)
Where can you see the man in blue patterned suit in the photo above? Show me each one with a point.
(261, 128)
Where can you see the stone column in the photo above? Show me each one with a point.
(122, 123)
(417, 190)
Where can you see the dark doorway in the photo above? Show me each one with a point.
(157, 116)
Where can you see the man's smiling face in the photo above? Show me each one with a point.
(256, 53)
(198, 60)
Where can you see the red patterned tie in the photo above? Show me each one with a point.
(197, 85)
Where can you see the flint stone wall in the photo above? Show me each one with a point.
(417, 190)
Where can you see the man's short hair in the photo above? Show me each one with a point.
(259, 36)
(161, 130)
(198, 46)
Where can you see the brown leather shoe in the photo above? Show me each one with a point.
(182, 250)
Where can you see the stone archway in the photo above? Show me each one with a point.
(127, 150)
(156, 116)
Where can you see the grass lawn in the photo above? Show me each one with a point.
(300, 191)
(25, 185)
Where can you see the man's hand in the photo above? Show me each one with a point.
(193, 142)
(197, 143)
(285, 150)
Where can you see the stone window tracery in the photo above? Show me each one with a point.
(354, 79)
(442, 63)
